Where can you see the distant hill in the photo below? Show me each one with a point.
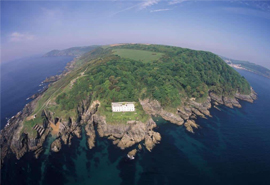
(260, 70)
(74, 51)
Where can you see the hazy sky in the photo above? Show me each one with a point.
(239, 30)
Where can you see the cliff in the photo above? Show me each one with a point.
(173, 83)
(132, 133)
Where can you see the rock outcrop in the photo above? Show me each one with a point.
(153, 107)
(56, 145)
(14, 140)
(132, 154)
(190, 124)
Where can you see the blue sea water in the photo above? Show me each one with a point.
(231, 148)
(21, 78)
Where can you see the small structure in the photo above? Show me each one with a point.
(123, 107)
(39, 129)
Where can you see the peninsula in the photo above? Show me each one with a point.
(248, 66)
(174, 83)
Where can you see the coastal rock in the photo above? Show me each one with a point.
(115, 142)
(231, 102)
(184, 112)
(77, 132)
(216, 98)
(249, 98)
(153, 107)
(190, 124)
(104, 129)
(69, 139)
(125, 135)
(201, 107)
(173, 118)
(132, 154)
(139, 146)
(151, 139)
(56, 145)
(38, 152)
(134, 135)
(65, 137)
(197, 112)
(90, 132)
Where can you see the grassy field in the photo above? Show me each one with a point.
(140, 55)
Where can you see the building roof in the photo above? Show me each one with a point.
(121, 103)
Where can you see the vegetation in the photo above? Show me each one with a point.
(138, 55)
(132, 72)
(180, 72)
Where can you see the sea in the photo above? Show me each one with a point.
(230, 148)
(22, 78)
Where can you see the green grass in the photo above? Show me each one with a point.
(139, 55)
(123, 117)
(28, 126)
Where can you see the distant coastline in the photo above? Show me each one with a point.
(248, 66)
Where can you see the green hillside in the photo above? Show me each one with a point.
(139, 55)
(167, 74)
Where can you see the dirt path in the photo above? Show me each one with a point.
(74, 80)
(55, 128)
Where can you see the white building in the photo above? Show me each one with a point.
(123, 106)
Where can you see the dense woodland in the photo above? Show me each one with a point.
(179, 73)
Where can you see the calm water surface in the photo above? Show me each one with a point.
(20, 79)
(231, 148)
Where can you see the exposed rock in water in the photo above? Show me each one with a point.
(231, 102)
(132, 154)
(77, 132)
(106, 130)
(135, 134)
(190, 124)
(115, 142)
(14, 140)
(65, 137)
(185, 112)
(56, 145)
(38, 152)
(216, 98)
(249, 98)
(202, 108)
(90, 132)
(197, 112)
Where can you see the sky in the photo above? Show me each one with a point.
(234, 29)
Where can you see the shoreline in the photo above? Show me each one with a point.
(123, 136)
(244, 69)
(66, 70)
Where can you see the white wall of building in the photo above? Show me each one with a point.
(123, 107)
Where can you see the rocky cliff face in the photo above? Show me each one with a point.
(122, 135)
(153, 107)
(188, 113)
(13, 140)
